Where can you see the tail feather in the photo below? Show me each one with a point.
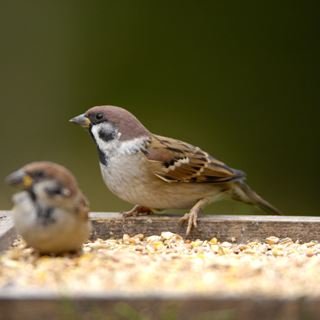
(242, 192)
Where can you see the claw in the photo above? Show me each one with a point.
(137, 211)
(191, 218)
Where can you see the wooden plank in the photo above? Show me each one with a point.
(16, 304)
(7, 232)
(34, 306)
(225, 228)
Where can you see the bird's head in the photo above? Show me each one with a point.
(44, 180)
(112, 128)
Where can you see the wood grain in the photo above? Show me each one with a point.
(225, 228)
(7, 232)
(27, 305)
(39, 306)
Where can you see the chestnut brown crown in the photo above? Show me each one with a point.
(35, 172)
(126, 123)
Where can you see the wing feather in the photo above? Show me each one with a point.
(176, 161)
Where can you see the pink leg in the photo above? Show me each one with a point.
(137, 211)
(192, 216)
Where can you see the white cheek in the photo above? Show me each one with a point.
(105, 145)
(97, 127)
(116, 147)
(40, 189)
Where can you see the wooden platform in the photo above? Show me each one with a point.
(225, 228)
(7, 232)
(27, 305)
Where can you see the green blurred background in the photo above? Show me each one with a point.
(240, 79)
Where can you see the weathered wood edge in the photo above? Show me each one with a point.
(17, 304)
(7, 232)
(223, 227)
(155, 306)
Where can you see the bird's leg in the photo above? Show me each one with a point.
(137, 211)
(192, 216)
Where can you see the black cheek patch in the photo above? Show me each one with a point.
(105, 135)
(55, 190)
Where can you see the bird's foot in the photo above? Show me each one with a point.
(191, 218)
(137, 211)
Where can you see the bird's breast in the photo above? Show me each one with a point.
(130, 178)
(123, 174)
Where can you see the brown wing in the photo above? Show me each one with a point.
(176, 161)
(83, 207)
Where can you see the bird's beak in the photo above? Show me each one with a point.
(19, 179)
(81, 120)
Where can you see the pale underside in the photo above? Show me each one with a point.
(61, 232)
(164, 174)
(129, 178)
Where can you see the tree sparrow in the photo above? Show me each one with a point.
(51, 212)
(155, 173)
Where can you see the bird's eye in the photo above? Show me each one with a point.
(38, 174)
(99, 116)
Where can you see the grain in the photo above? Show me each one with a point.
(168, 263)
